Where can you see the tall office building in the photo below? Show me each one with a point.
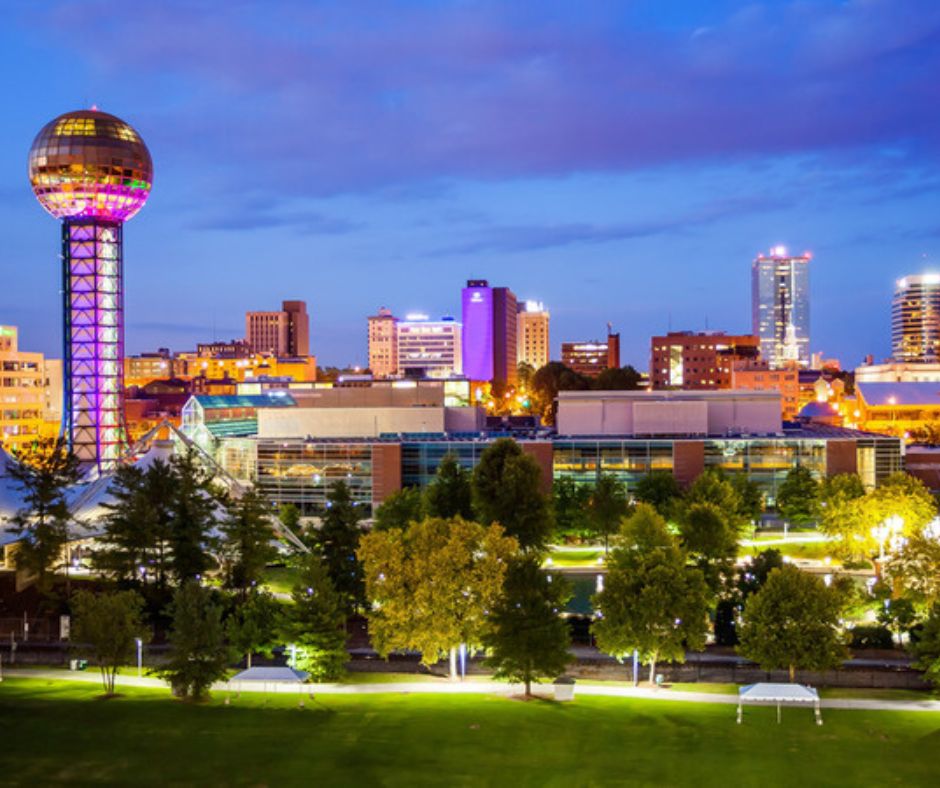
(490, 344)
(532, 334)
(431, 346)
(283, 334)
(915, 319)
(780, 307)
(383, 344)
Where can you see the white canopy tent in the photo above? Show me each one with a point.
(778, 694)
(268, 679)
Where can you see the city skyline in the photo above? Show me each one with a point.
(599, 216)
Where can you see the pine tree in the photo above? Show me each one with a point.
(248, 543)
(254, 625)
(315, 623)
(450, 493)
(337, 540)
(527, 638)
(43, 476)
(198, 651)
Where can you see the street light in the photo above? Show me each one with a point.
(140, 657)
(888, 531)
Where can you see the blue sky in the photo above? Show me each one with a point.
(621, 162)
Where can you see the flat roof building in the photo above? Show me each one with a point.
(698, 360)
(431, 346)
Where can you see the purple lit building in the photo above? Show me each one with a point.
(489, 334)
(94, 172)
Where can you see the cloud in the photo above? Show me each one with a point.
(316, 98)
(526, 238)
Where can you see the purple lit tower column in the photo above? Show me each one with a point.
(94, 172)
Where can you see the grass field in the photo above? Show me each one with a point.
(60, 733)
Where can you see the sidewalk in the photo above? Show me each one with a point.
(476, 686)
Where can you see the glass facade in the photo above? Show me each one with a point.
(766, 461)
(301, 472)
(915, 319)
(420, 460)
(780, 307)
(629, 461)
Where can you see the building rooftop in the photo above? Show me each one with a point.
(903, 394)
(275, 399)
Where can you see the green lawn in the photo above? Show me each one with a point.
(56, 733)
(280, 579)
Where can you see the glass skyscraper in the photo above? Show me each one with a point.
(915, 319)
(780, 307)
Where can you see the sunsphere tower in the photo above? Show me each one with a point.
(94, 172)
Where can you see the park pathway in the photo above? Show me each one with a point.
(476, 686)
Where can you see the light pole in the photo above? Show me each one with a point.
(140, 657)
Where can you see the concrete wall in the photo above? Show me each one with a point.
(668, 413)
(346, 422)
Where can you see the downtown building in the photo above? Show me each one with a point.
(431, 348)
(381, 441)
(490, 344)
(532, 332)
(915, 319)
(592, 357)
(285, 334)
(698, 360)
(31, 390)
(383, 344)
(780, 307)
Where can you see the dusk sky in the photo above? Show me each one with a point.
(622, 162)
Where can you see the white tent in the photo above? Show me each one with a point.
(779, 694)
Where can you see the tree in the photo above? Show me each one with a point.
(337, 541)
(927, 648)
(793, 622)
(43, 477)
(900, 495)
(289, 515)
(316, 622)
(914, 570)
(708, 536)
(198, 651)
(134, 548)
(253, 626)
(527, 638)
(753, 575)
(653, 601)
(248, 543)
(106, 627)
(400, 508)
(192, 513)
(897, 615)
(432, 585)
(798, 496)
(450, 493)
(839, 500)
(712, 487)
(570, 507)
(858, 522)
(607, 506)
(659, 489)
(507, 490)
(618, 379)
(548, 381)
(750, 497)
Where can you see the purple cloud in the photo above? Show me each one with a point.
(320, 98)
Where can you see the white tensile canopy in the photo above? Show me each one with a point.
(265, 679)
(779, 694)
